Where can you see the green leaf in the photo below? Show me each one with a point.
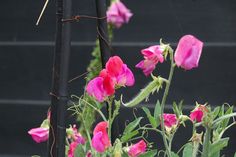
(157, 111)
(79, 151)
(216, 112)
(125, 154)
(176, 110)
(151, 153)
(35, 156)
(174, 154)
(225, 122)
(188, 150)
(128, 136)
(217, 146)
(234, 154)
(151, 119)
(131, 126)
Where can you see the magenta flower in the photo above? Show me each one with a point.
(137, 149)
(39, 134)
(169, 120)
(152, 55)
(117, 14)
(119, 72)
(198, 113)
(100, 140)
(72, 148)
(89, 154)
(188, 52)
(100, 88)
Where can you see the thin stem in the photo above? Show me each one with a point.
(101, 114)
(206, 142)
(164, 101)
(109, 117)
(152, 129)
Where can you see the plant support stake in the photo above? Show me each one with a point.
(59, 94)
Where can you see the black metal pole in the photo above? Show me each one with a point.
(59, 94)
(102, 29)
(101, 8)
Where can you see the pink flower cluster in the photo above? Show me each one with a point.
(115, 74)
(187, 55)
(118, 14)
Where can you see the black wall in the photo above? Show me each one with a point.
(26, 53)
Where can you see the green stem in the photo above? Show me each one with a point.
(164, 101)
(206, 143)
(152, 129)
(88, 135)
(195, 149)
(109, 118)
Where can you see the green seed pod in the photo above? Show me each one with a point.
(153, 86)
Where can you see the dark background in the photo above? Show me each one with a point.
(26, 54)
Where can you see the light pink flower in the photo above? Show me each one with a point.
(100, 140)
(126, 77)
(169, 120)
(72, 148)
(152, 55)
(198, 113)
(118, 14)
(137, 149)
(188, 52)
(39, 134)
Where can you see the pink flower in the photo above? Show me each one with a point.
(76, 136)
(119, 72)
(152, 55)
(39, 134)
(137, 149)
(118, 14)
(72, 148)
(100, 140)
(125, 77)
(188, 52)
(169, 120)
(100, 88)
(89, 154)
(198, 113)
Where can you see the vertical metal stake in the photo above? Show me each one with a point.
(59, 99)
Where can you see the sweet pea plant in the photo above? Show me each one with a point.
(100, 90)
